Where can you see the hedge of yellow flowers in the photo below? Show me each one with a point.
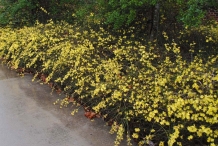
(151, 94)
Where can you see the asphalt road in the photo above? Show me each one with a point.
(29, 118)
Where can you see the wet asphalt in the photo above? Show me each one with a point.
(29, 118)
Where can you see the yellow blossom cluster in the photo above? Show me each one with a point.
(149, 92)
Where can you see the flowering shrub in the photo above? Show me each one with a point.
(148, 93)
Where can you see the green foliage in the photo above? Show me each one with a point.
(16, 12)
(114, 13)
(125, 12)
(26, 12)
(192, 12)
(61, 9)
(117, 14)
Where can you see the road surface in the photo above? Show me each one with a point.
(29, 118)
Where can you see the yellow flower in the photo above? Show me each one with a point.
(190, 137)
(137, 129)
(161, 143)
(152, 130)
(135, 135)
(192, 128)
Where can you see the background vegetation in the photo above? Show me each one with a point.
(147, 67)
